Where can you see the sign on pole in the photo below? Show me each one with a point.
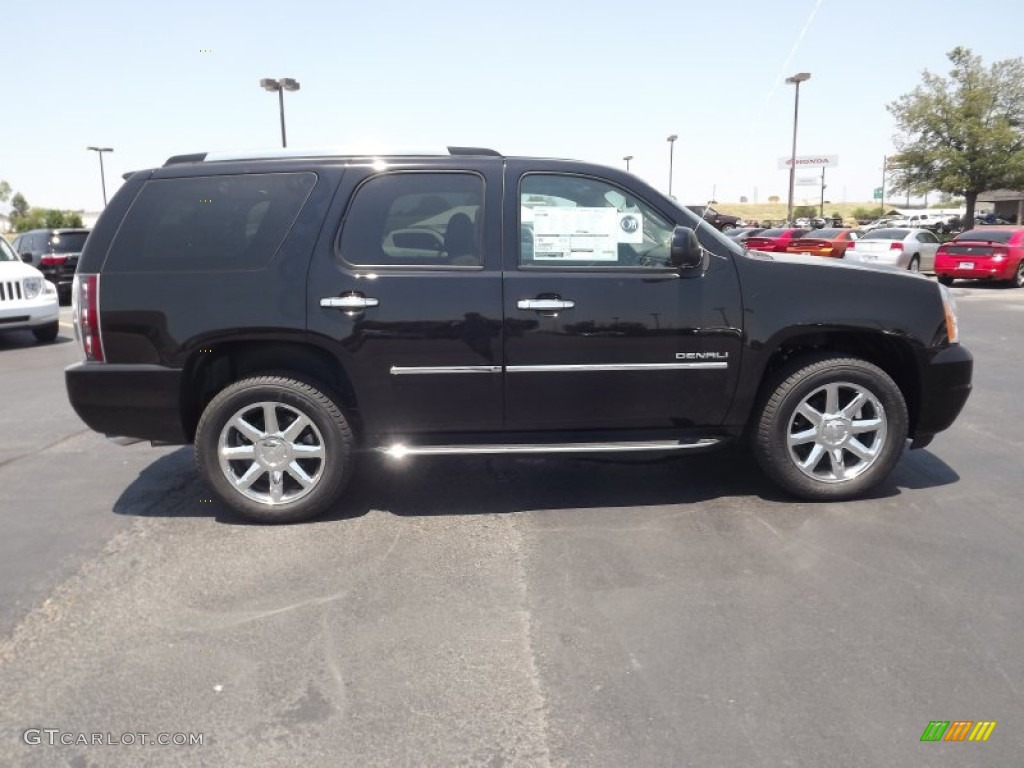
(878, 193)
(810, 161)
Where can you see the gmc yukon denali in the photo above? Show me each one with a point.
(290, 312)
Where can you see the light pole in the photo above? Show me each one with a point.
(103, 179)
(282, 85)
(795, 80)
(671, 146)
(627, 158)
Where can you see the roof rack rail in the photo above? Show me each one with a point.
(473, 151)
(283, 153)
(195, 157)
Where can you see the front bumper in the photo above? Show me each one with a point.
(945, 387)
(142, 401)
(25, 314)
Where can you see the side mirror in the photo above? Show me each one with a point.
(27, 258)
(685, 252)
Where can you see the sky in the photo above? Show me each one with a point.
(587, 80)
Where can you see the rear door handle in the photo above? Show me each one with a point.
(545, 305)
(350, 302)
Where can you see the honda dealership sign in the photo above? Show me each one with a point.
(810, 161)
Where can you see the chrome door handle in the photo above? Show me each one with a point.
(349, 302)
(545, 305)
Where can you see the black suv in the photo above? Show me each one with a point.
(55, 253)
(288, 312)
(723, 222)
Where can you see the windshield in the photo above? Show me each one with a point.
(7, 252)
(886, 234)
(772, 233)
(986, 235)
(68, 242)
(823, 234)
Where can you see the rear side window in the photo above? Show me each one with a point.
(415, 219)
(209, 223)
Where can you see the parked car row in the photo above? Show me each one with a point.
(55, 253)
(983, 253)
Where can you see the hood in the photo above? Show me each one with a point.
(822, 263)
(16, 270)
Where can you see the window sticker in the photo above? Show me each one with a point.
(576, 234)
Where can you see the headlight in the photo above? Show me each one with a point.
(949, 305)
(33, 286)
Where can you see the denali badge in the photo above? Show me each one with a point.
(702, 355)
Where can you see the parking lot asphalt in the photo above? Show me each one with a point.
(515, 611)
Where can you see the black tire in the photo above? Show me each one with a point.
(1017, 281)
(46, 333)
(804, 380)
(945, 280)
(915, 264)
(286, 395)
(727, 227)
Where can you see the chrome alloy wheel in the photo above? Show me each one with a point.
(271, 453)
(837, 432)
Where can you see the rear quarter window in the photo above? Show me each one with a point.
(209, 223)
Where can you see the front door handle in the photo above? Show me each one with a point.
(545, 305)
(351, 302)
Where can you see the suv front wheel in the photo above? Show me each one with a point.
(274, 448)
(831, 428)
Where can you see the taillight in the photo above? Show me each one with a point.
(1000, 252)
(895, 246)
(85, 311)
(851, 245)
(53, 260)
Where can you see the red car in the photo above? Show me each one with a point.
(774, 239)
(983, 253)
(824, 242)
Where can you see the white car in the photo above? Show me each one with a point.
(912, 249)
(28, 302)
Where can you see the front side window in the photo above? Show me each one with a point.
(575, 221)
(209, 223)
(415, 220)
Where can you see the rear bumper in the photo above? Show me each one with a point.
(983, 269)
(945, 387)
(142, 401)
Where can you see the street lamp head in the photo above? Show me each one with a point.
(627, 158)
(101, 149)
(270, 84)
(673, 137)
(289, 84)
(799, 77)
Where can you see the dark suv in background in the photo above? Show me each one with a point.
(288, 313)
(55, 253)
(723, 222)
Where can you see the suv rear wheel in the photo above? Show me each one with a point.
(274, 448)
(831, 428)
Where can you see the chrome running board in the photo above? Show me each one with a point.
(400, 450)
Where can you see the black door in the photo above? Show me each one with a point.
(409, 295)
(600, 332)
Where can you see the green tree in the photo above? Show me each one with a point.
(5, 191)
(805, 212)
(963, 134)
(19, 205)
(863, 213)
